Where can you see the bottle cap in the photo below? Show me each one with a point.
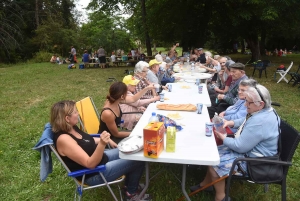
(153, 114)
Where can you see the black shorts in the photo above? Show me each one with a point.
(102, 59)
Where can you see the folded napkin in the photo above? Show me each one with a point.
(168, 122)
(178, 107)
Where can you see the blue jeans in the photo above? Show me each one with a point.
(116, 167)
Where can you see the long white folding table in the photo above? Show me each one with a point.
(193, 76)
(192, 146)
(184, 92)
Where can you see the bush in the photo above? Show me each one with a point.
(42, 56)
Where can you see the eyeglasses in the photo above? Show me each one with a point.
(249, 102)
(145, 71)
(222, 62)
(241, 90)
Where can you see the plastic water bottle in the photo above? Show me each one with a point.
(218, 124)
(121, 124)
(188, 60)
(153, 118)
(192, 69)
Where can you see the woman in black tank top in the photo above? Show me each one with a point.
(111, 114)
(79, 150)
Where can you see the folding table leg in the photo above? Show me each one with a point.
(147, 181)
(183, 182)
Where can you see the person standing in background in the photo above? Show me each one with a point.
(101, 56)
(73, 52)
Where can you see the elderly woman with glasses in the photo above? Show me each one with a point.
(257, 136)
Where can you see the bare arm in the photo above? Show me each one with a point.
(137, 96)
(67, 146)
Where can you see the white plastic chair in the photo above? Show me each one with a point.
(283, 74)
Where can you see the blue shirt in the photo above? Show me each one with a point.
(259, 135)
(86, 57)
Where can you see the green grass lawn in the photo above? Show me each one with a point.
(27, 93)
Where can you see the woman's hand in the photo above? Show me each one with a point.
(220, 96)
(228, 123)
(222, 114)
(104, 138)
(165, 87)
(219, 135)
(156, 98)
(150, 86)
(112, 144)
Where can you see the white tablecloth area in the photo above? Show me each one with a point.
(185, 92)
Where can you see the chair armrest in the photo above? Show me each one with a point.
(259, 159)
(95, 135)
(132, 112)
(100, 168)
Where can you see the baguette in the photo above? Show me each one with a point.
(178, 107)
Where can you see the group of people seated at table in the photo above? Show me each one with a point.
(244, 105)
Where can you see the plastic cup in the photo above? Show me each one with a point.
(162, 97)
(199, 108)
(200, 89)
(169, 87)
(208, 129)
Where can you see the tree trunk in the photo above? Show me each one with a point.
(253, 44)
(145, 24)
(263, 42)
(243, 46)
(37, 21)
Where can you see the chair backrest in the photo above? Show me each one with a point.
(290, 138)
(89, 115)
(288, 69)
(266, 63)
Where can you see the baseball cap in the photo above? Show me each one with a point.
(239, 66)
(154, 61)
(130, 80)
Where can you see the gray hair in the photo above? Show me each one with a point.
(140, 66)
(248, 82)
(208, 54)
(259, 93)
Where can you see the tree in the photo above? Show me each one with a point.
(129, 7)
(104, 30)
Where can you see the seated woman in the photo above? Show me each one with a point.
(258, 137)
(79, 150)
(111, 114)
(138, 106)
(140, 73)
(238, 110)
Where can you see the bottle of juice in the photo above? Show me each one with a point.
(171, 139)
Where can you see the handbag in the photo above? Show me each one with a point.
(262, 172)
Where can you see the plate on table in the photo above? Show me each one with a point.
(131, 144)
(190, 81)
